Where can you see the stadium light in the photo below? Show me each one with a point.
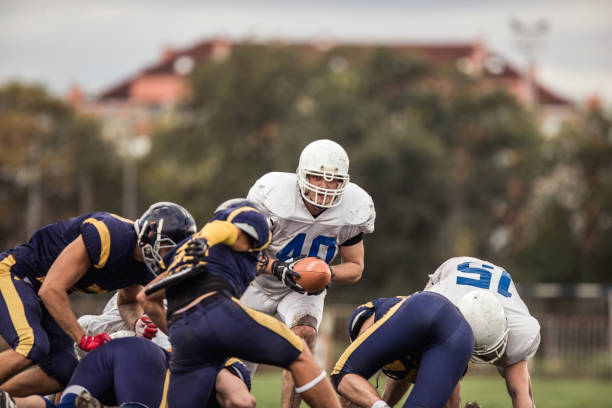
(528, 39)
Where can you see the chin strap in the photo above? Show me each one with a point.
(312, 383)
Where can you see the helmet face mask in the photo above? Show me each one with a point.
(489, 355)
(321, 163)
(487, 319)
(161, 227)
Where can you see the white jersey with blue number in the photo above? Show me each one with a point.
(296, 232)
(458, 276)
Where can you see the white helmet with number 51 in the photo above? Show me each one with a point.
(327, 159)
(487, 318)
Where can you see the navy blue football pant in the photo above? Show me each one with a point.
(129, 369)
(425, 324)
(217, 328)
(29, 329)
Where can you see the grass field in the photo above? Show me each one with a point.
(489, 391)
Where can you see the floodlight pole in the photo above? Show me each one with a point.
(528, 39)
(135, 148)
(34, 175)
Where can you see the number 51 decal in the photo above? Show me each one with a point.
(484, 278)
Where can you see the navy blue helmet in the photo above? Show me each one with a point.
(163, 225)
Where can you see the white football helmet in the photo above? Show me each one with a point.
(327, 159)
(487, 318)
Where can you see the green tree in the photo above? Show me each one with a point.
(571, 234)
(43, 139)
(449, 161)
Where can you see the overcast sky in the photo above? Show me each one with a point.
(98, 43)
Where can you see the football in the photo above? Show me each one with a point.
(315, 274)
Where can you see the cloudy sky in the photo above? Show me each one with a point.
(98, 43)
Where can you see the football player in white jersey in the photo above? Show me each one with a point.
(513, 344)
(318, 213)
(110, 321)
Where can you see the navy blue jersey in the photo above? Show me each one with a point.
(237, 268)
(109, 240)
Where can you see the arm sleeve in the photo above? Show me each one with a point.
(352, 241)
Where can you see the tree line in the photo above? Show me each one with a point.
(454, 165)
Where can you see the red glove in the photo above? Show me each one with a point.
(144, 327)
(89, 343)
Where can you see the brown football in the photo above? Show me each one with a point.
(315, 274)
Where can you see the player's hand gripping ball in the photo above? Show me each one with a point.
(315, 273)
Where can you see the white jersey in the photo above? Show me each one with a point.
(110, 322)
(296, 232)
(458, 276)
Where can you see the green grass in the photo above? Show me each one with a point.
(488, 390)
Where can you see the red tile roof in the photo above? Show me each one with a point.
(437, 53)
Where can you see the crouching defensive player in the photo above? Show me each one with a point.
(422, 336)
(204, 277)
(133, 372)
(92, 253)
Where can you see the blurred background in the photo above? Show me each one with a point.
(479, 128)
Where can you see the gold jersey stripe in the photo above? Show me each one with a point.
(104, 241)
(164, 400)
(15, 307)
(231, 361)
(120, 218)
(273, 324)
(362, 337)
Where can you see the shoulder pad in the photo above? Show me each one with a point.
(357, 208)
(271, 192)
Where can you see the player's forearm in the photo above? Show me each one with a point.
(394, 391)
(357, 390)
(522, 401)
(521, 396)
(518, 384)
(347, 272)
(130, 312)
(157, 313)
(58, 305)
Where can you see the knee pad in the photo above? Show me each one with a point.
(307, 320)
(306, 328)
